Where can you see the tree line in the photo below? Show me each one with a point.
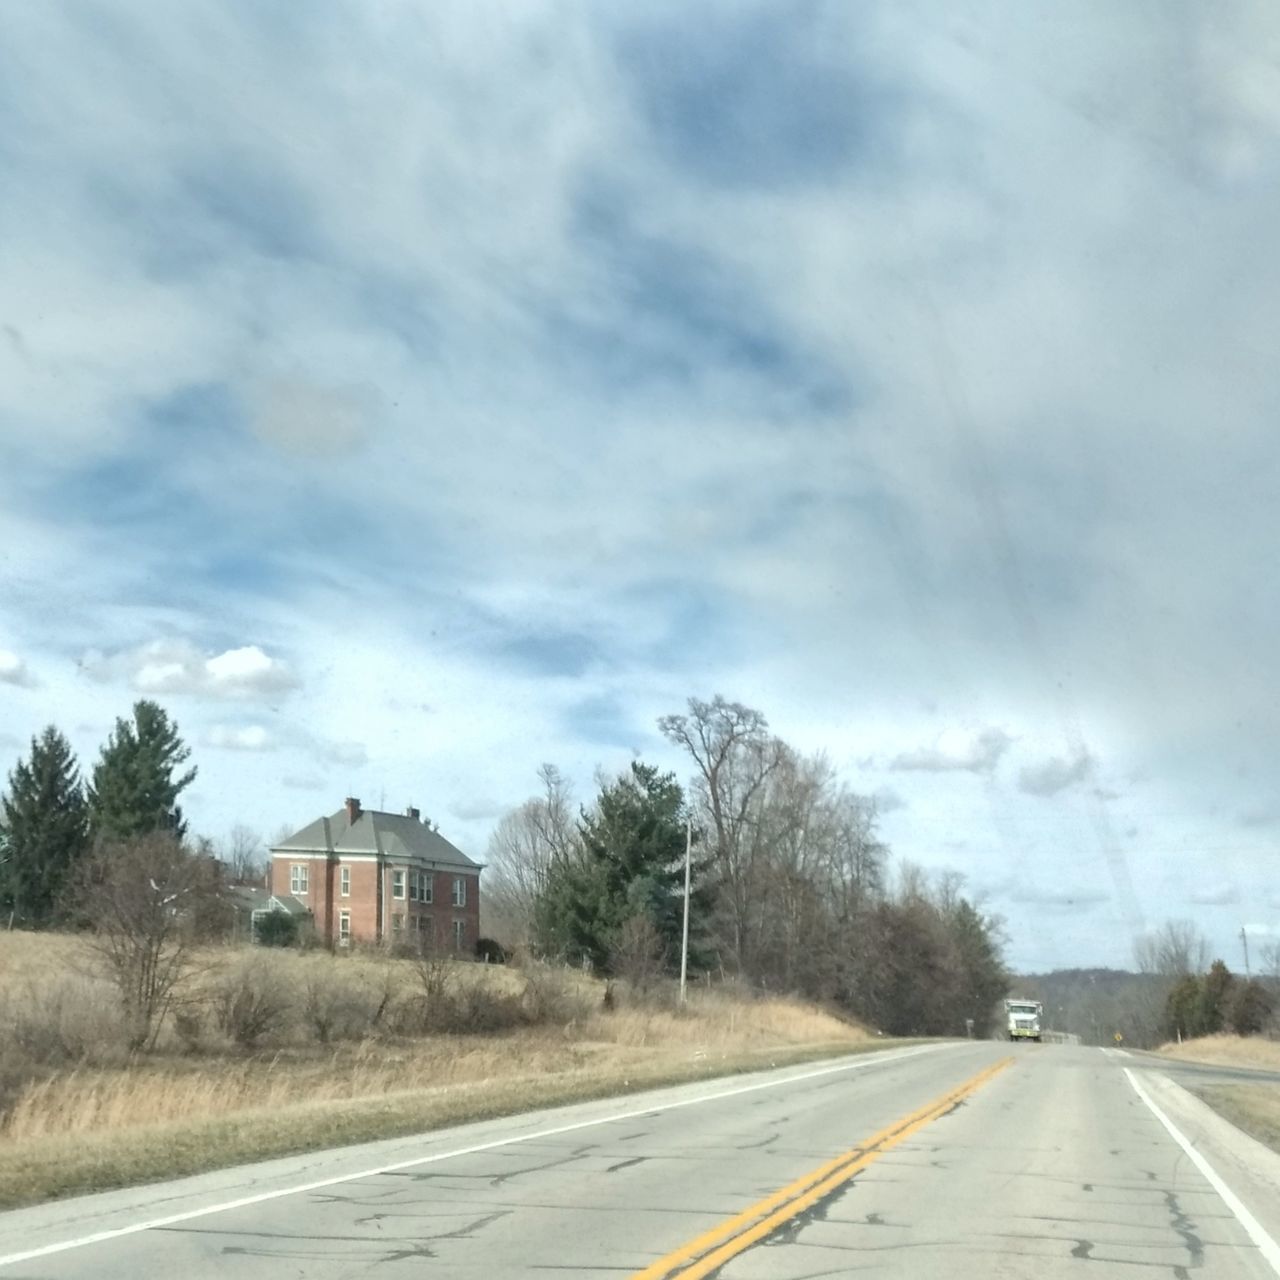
(1176, 993)
(791, 885)
(52, 819)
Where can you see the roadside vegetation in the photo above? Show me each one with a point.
(266, 1052)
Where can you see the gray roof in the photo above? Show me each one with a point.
(251, 898)
(395, 835)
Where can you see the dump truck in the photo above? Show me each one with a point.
(1023, 1019)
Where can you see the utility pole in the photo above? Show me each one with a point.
(684, 942)
(1244, 939)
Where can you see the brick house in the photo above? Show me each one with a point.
(367, 876)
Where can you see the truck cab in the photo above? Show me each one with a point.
(1022, 1019)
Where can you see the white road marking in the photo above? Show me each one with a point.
(1255, 1230)
(151, 1224)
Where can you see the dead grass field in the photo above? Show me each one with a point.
(1255, 1108)
(86, 1115)
(1227, 1051)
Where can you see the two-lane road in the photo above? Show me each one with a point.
(934, 1161)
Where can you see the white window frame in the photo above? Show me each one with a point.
(299, 878)
(344, 928)
(344, 882)
(397, 883)
(413, 886)
(459, 934)
(459, 891)
(428, 889)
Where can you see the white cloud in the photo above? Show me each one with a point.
(1056, 774)
(967, 750)
(177, 667)
(1221, 895)
(253, 737)
(353, 755)
(14, 670)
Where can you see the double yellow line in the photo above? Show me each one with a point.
(711, 1250)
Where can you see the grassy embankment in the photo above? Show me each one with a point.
(270, 1053)
(1255, 1108)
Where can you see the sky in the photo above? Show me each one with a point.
(405, 394)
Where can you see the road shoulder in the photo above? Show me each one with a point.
(1247, 1166)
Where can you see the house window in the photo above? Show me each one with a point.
(397, 884)
(459, 892)
(459, 934)
(413, 886)
(344, 881)
(298, 873)
(344, 928)
(426, 933)
(428, 888)
(397, 923)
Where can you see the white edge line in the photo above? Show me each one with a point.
(151, 1224)
(1255, 1230)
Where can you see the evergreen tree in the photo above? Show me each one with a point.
(631, 866)
(45, 830)
(136, 782)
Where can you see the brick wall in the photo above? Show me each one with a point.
(325, 900)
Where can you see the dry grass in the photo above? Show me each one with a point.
(355, 1052)
(1255, 1108)
(1227, 1051)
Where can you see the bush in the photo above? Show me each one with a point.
(277, 929)
(1249, 1008)
(335, 1004)
(253, 1001)
(488, 951)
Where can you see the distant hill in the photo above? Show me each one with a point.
(1095, 1004)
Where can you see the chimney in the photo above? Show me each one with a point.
(353, 810)
(413, 813)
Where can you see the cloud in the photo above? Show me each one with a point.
(972, 751)
(1058, 896)
(176, 667)
(299, 416)
(253, 737)
(14, 671)
(1221, 895)
(480, 809)
(887, 800)
(1054, 774)
(352, 755)
(304, 782)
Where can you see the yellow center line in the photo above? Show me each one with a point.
(713, 1248)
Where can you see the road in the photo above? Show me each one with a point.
(949, 1161)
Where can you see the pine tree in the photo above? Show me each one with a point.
(45, 830)
(136, 783)
(631, 868)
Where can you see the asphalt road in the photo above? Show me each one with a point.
(937, 1161)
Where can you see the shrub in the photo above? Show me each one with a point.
(277, 929)
(335, 1004)
(254, 1000)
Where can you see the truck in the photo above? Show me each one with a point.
(1023, 1019)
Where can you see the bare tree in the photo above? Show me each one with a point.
(143, 900)
(735, 757)
(1177, 949)
(524, 847)
(243, 856)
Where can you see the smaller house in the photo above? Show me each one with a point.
(252, 904)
